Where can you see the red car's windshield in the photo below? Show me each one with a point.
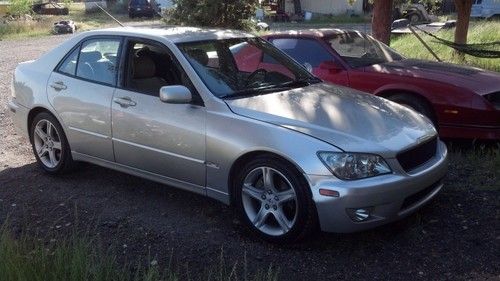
(359, 49)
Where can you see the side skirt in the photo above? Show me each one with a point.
(217, 195)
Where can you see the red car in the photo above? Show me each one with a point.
(463, 102)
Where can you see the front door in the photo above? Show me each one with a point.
(150, 135)
(81, 90)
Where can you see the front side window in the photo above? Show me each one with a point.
(360, 50)
(151, 66)
(98, 60)
(233, 68)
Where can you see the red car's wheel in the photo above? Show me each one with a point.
(416, 103)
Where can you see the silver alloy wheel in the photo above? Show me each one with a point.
(269, 201)
(47, 143)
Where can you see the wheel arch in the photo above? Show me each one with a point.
(248, 156)
(387, 93)
(34, 112)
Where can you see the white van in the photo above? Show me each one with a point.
(485, 9)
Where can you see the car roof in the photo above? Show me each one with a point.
(174, 34)
(320, 32)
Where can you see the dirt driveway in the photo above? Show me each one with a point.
(455, 237)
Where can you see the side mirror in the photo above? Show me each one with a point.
(175, 94)
(330, 66)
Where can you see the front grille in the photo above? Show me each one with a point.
(418, 155)
(417, 197)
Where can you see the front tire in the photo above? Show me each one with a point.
(415, 103)
(274, 200)
(50, 145)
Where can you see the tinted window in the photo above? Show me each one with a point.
(305, 51)
(68, 66)
(360, 50)
(98, 60)
(138, 2)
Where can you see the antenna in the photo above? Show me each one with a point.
(121, 24)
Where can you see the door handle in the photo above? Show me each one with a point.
(125, 102)
(58, 86)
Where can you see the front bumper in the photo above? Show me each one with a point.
(469, 132)
(390, 197)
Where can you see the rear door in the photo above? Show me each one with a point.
(81, 90)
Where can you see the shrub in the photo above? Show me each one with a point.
(212, 13)
(20, 7)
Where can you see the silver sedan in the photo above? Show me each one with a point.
(227, 115)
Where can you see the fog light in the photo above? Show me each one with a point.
(359, 215)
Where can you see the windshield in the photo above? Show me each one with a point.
(358, 49)
(242, 67)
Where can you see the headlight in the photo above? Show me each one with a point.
(352, 166)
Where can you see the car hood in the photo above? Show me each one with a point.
(475, 79)
(346, 118)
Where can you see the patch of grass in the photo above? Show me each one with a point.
(479, 32)
(477, 168)
(19, 29)
(42, 25)
(81, 258)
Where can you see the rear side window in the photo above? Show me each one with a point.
(94, 60)
(304, 51)
(68, 66)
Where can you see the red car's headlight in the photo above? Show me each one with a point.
(494, 99)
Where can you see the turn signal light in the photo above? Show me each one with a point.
(328, 192)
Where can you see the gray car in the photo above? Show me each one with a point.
(227, 115)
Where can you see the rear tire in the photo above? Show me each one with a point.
(49, 144)
(274, 200)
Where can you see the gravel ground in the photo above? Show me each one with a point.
(454, 237)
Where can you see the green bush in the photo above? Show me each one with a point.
(20, 7)
(233, 14)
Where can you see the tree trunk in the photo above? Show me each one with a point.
(297, 7)
(382, 20)
(463, 16)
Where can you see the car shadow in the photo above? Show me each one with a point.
(140, 217)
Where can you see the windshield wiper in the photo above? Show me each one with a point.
(271, 88)
(300, 82)
(252, 92)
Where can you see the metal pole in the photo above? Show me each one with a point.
(121, 24)
(423, 43)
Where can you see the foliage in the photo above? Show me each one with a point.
(233, 14)
(67, 3)
(480, 32)
(431, 6)
(20, 7)
(77, 257)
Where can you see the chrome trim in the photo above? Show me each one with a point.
(160, 151)
(89, 132)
